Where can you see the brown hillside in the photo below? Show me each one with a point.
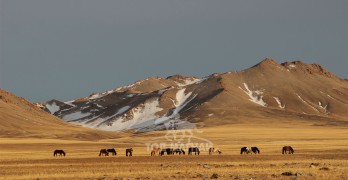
(268, 91)
(20, 118)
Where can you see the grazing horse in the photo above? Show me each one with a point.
(193, 149)
(129, 152)
(289, 149)
(60, 152)
(245, 150)
(162, 152)
(214, 150)
(112, 151)
(255, 150)
(156, 151)
(103, 152)
(179, 151)
(169, 151)
(249, 150)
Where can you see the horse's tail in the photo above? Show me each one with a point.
(63, 153)
(54, 153)
(100, 153)
(283, 150)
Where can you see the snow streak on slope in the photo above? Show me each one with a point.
(53, 107)
(322, 107)
(307, 103)
(189, 82)
(75, 115)
(182, 100)
(279, 103)
(141, 115)
(255, 96)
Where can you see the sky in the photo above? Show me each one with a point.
(68, 49)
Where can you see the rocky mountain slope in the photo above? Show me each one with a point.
(21, 118)
(266, 90)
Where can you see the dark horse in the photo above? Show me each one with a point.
(179, 151)
(129, 152)
(103, 152)
(248, 150)
(289, 149)
(255, 150)
(60, 152)
(169, 151)
(193, 149)
(112, 151)
(245, 150)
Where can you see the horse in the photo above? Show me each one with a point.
(193, 149)
(169, 151)
(112, 151)
(248, 150)
(162, 152)
(179, 151)
(59, 151)
(156, 151)
(129, 152)
(255, 150)
(103, 152)
(214, 150)
(245, 150)
(289, 149)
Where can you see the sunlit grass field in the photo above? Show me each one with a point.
(325, 147)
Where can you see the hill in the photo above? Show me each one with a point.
(265, 93)
(21, 118)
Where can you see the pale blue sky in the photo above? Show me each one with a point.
(66, 49)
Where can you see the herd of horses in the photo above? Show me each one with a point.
(172, 151)
(106, 152)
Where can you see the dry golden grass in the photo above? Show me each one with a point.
(324, 146)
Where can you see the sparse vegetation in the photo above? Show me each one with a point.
(320, 153)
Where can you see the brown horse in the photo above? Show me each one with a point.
(58, 151)
(255, 150)
(156, 151)
(129, 152)
(249, 150)
(103, 152)
(245, 150)
(179, 151)
(287, 149)
(214, 150)
(112, 151)
(193, 149)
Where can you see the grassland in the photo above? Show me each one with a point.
(321, 152)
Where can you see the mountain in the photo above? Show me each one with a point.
(268, 90)
(21, 118)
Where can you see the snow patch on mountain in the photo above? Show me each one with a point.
(52, 107)
(75, 115)
(292, 66)
(322, 107)
(255, 96)
(189, 82)
(279, 103)
(141, 115)
(70, 103)
(305, 102)
(182, 100)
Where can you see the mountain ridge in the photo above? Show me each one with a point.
(286, 88)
